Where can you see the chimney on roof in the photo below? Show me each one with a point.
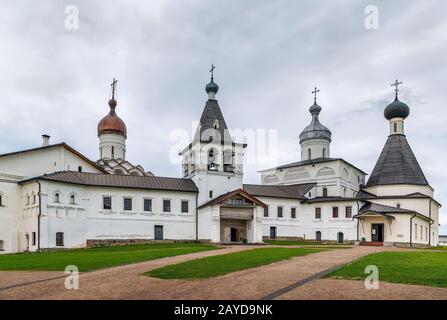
(45, 140)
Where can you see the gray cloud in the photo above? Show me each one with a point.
(269, 56)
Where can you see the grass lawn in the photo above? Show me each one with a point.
(227, 263)
(96, 258)
(306, 243)
(417, 267)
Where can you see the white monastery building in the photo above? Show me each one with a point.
(54, 197)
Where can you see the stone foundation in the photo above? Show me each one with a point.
(123, 242)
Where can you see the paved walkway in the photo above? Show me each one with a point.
(127, 282)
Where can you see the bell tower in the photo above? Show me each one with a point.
(213, 160)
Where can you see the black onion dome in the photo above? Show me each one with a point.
(396, 109)
(212, 87)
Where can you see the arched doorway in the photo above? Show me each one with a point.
(340, 237)
(318, 235)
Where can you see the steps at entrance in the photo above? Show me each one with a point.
(372, 243)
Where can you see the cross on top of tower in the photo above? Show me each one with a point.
(212, 71)
(113, 85)
(316, 90)
(396, 85)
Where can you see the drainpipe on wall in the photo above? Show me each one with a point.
(430, 223)
(411, 230)
(197, 217)
(38, 215)
(358, 220)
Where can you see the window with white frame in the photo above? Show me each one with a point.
(147, 205)
(348, 212)
(56, 197)
(185, 206)
(293, 213)
(166, 205)
(107, 203)
(72, 199)
(127, 205)
(280, 210)
(317, 213)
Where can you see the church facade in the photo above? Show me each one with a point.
(54, 197)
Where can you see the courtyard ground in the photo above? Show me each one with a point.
(295, 278)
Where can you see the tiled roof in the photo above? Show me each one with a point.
(121, 181)
(228, 195)
(397, 165)
(296, 191)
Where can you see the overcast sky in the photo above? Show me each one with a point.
(268, 55)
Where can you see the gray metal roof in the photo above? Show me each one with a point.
(206, 130)
(397, 164)
(315, 130)
(120, 181)
(380, 208)
(315, 161)
(295, 191)
(329, 199)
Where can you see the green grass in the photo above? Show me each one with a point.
(417, 267)
(306, 243)
(227, 263)
(96, 258)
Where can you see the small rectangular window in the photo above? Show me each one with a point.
(185, 206)
(335, 212)
(128, 204)
(317, 213)
(293, 213)
(266, 211)
(33, 238)
(348, 212)
(80, 169)
(107, 203)
(280, 212)
(147, 204)
(166, 205)
(59, 239)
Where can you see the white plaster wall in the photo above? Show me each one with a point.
(11, 221)
(36, 163)
(316, 146)
(109, 140)
(87, 220)
(305, 225)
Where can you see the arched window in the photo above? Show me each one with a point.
(100, 153)
(1, 200)
(344, 192)
(395, 127)
(56, 197)
(324, 152)
(318, 235)
(113, 152)
(211, 193)
(309, 154)
(34, 199)
(72, 199)
(398, 205)
(216, 124)
(325, 192)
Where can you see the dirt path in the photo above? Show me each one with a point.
(331, 289)
(127, 282)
